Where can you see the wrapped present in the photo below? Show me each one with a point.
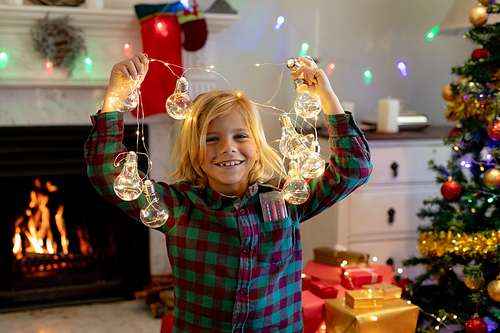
(323, 272)
(397, 316)
(323, 289)
(313, 312)
(306, 282)
(329, 256)
(364, 299)
(390, 291)
(355, 277)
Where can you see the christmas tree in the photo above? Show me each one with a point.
(459, 245)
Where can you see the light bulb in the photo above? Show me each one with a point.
(287, 133)
(307, 103)
(179, 104)
(128, 185)
(125, 97)
(296, 190)
(313, 164)
(153, 212)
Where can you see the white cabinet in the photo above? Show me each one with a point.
(380, 218)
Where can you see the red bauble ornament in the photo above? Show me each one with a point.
(480, 53)
(476, 325)
(403, 283)
(494, 130)
(456, 131)
(451, 190)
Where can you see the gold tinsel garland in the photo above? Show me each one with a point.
(462, 108)
(438, 244)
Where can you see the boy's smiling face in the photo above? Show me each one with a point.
(230, 154)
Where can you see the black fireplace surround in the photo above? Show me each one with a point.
(118, 260)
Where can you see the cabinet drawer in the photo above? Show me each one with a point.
(396, 250)
(379, 211)
(406, 164)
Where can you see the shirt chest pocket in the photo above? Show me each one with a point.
(276, 241)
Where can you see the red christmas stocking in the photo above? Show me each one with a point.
(161, 39)
(194, 26)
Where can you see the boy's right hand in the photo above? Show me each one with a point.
(133, 68)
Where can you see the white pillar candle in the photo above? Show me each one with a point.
(388, 112)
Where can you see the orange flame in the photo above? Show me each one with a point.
(37, 230)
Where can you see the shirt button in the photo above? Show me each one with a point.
(242, 211)
(243, 292)
(245, 250)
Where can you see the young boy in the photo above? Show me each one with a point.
(233, 272)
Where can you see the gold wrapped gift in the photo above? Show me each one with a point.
(390, 291)
(327, 255)
(364, 299)
(397, 316)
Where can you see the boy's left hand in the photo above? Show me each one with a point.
(319, 83)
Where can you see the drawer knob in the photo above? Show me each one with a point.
(391, 212)
(394, 167)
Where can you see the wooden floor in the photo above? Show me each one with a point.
(120, 317)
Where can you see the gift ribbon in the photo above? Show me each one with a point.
(360, 269)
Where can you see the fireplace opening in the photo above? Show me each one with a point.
(61, 243)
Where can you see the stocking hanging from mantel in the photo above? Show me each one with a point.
(161, 39)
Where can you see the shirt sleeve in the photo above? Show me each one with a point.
(104, 150)
(349, 167)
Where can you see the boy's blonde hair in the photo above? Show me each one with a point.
(190, 146)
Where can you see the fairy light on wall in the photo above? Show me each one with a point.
(279, 22)
(432, 33)
(303, 49)
(48, 67)
(367, 76)
(88, 65)
(4, 59)
(402, 68)
(127, 48)
(330, 69)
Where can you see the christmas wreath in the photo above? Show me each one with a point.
(58, 41)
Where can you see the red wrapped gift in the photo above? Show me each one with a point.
(355, 277)
(306, 282)
(323, 289)
(313, 312)
(323, 272)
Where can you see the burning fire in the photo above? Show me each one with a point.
(34, 224)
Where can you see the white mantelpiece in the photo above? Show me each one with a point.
(106, 31)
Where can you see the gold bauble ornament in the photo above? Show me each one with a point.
(485, 2)
(491, 178)
(478, 16)
(474, 282)
(494, 289)
(448, 93)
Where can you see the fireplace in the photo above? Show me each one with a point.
(60, 242)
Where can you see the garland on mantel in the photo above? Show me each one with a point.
(58, 41)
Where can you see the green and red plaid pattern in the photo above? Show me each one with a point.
(233, 272)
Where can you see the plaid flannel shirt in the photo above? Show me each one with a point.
(232, 271)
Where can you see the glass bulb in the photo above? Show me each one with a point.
(287, 134)
(125, 97)
(128, 185)
(296, 190)
(153, 212)
(179, 104)
(312, 163)
(307, 103)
